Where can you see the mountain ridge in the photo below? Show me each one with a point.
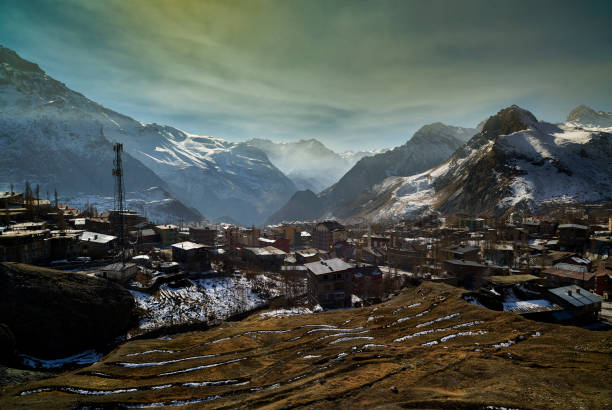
(43, 120)
(429, 146)
(515, 163)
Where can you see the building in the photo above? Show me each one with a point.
(368, 283)
(292, 234)
(376, 241)
(120, 272)
(330, 283)
(473, 224)
(7, 199)
(203, 235)
(573, 237)
(168, 234)
(267, 256)
(189, 252)
(304, 239)
(24, 246)
(603, 281)
(97, 245)
(64, 246)
(131, 219)
(101, 225)
(469, 274)
(406, 258)
(466, 253)
(144, 236)
(327, 233)
(303, 256)
(581, 306)
(557, 276)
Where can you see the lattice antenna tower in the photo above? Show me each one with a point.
(119, 192)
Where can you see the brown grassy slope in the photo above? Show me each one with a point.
(297, 362)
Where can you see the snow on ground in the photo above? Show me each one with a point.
(558, 163)
(207, 300)
(285, 312)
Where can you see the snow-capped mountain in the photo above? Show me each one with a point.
(309, 163)
(516, 162)
(429, 146)
(57, 137)
(586, 117)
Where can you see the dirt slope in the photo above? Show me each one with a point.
(437, 350)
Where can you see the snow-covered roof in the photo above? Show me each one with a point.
(266, 251)
(96, 237)
(187, 245)
(327, 266)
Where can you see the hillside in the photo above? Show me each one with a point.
(429, 146)
(56, 137)
(56, 314)
(426, 348)
(515, 162)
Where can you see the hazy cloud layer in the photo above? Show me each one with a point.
(355, 74)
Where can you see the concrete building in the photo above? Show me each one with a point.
(96, 245)
(327, 233)
(267, 256)
(460, 252)
(120, 272)
(203, 235)
(168, 234)
(24, 246)
(581, 306)
(573, 237)
(189, 252)
(468, 273)
(330, 283)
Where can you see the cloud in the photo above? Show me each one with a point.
(356, 74)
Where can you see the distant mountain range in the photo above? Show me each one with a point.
(513, 162)
(429, 146)
(58, 138)
(309, 163)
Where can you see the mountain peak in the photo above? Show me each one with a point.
(587, 116)
(438, 130)
(509, 120)
(10, 57)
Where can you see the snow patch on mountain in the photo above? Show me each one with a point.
(541, 162)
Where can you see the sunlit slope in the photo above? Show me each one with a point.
(434, 347)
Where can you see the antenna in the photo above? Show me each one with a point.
(119, 194)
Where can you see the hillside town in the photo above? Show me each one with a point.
(553, 266)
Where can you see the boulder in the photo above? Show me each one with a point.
(56, 314)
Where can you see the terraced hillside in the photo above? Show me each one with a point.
(425, 348)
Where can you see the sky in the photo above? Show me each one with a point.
(353, 74)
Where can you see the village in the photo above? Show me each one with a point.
(552, 267)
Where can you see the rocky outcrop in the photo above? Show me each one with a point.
(55, 314)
